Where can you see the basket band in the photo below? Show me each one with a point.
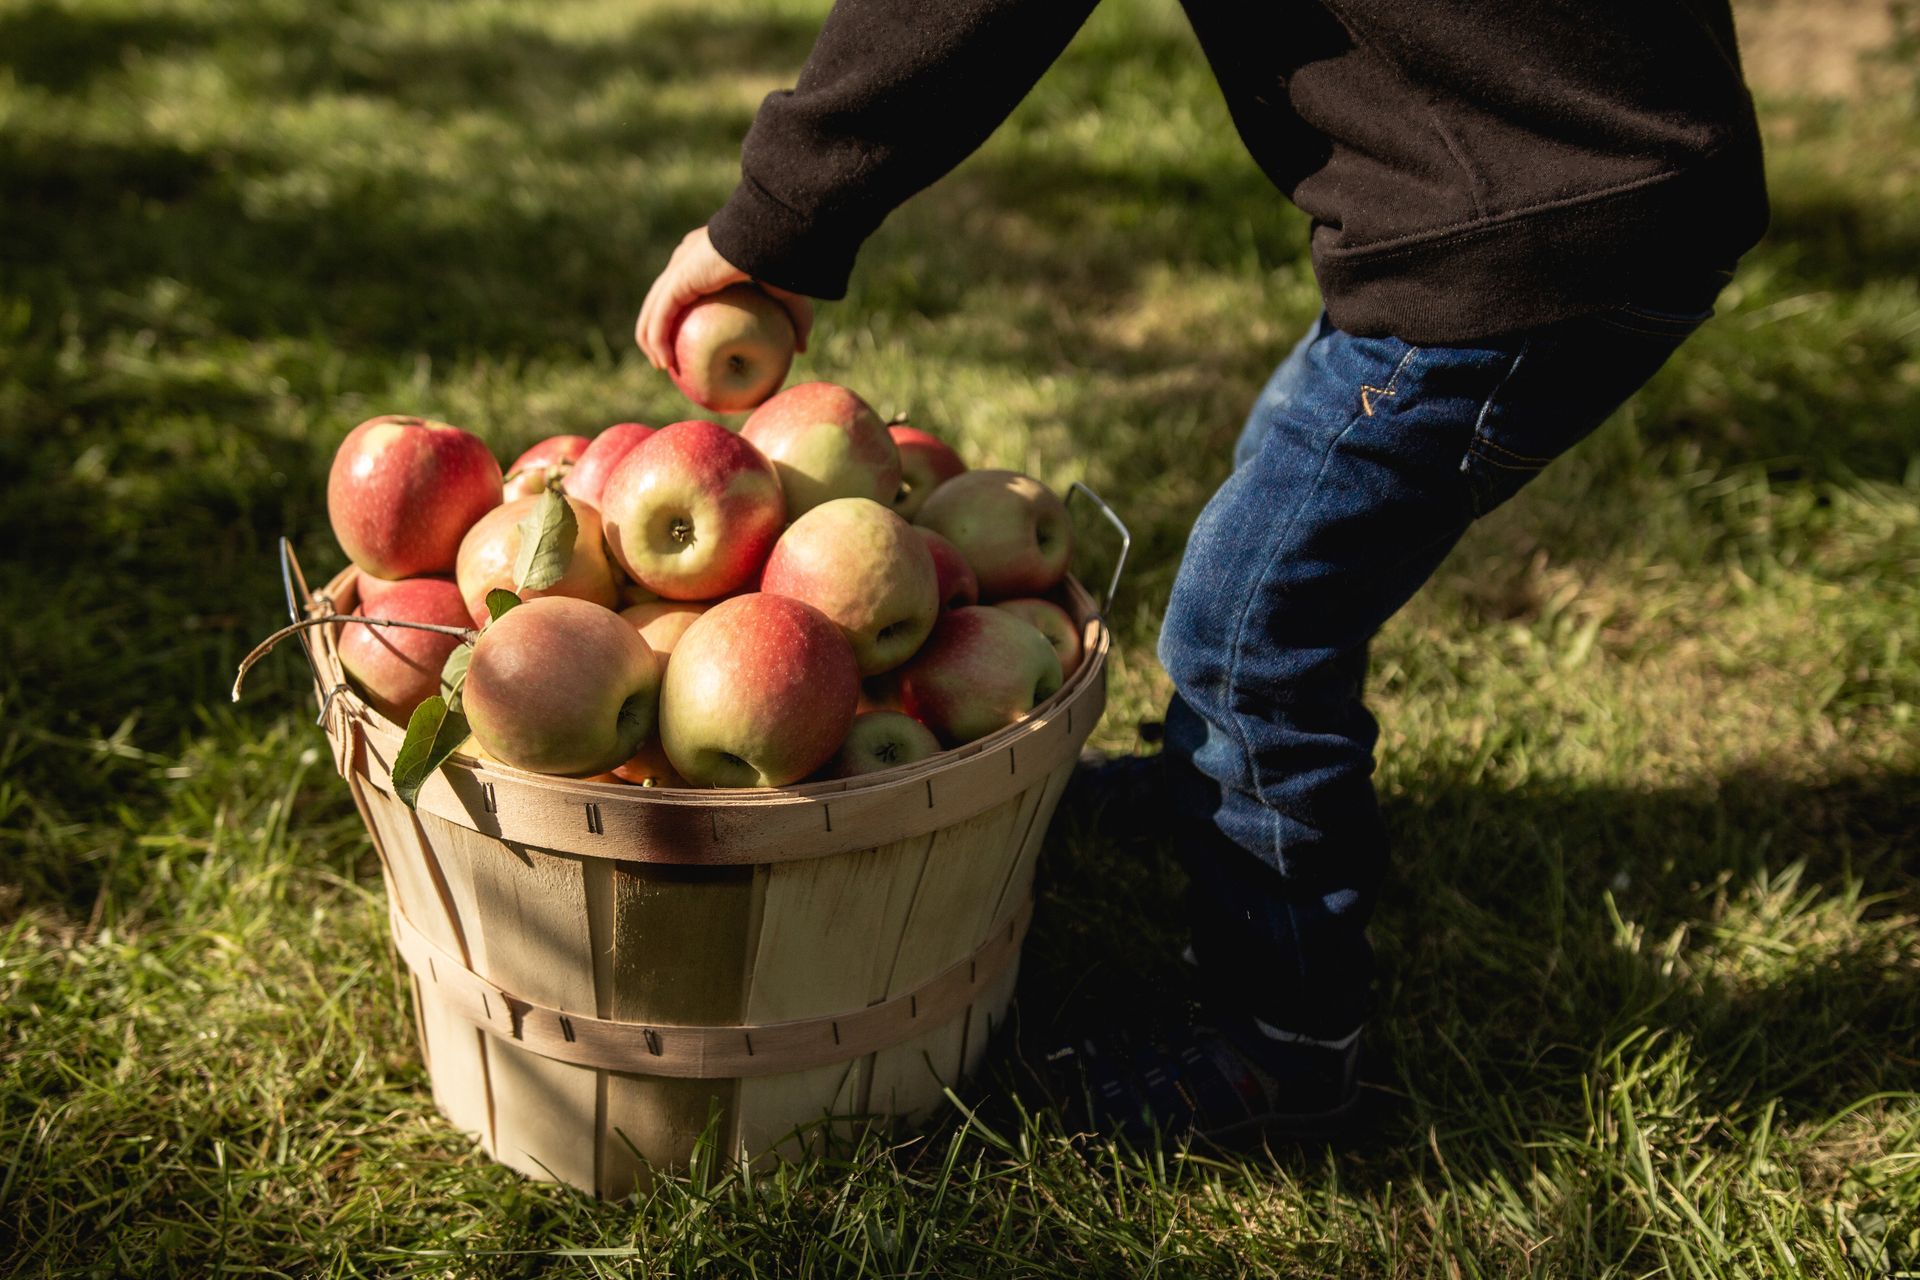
(707, 1053)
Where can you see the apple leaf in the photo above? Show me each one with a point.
(433, 734)
(499, 600)
(454, 675)
(546, 543)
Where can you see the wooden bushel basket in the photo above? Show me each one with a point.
(603, 973)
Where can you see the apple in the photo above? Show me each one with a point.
(553, 457)
(404, 491)
(369, 591)
(982, 670)
(558, 685)
(589, 473)
(663, 622)
(880, 740)
(826, 443)
(398, 668)
(865, 568)
(760, 693)
(1012, 529)
(1053, 622)
(488, 551)
(732, 349)
(958, 586)
(693, 511)
(631, 592)
(649, 767)
(925, 464)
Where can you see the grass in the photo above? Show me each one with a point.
(1651, 749)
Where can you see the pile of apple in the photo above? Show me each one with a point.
(696, 606)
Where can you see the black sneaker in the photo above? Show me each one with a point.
(1229, 1082)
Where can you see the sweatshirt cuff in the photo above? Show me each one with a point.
(782, 247)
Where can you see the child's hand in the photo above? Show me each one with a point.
(696, 270)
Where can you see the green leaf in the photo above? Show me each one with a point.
(546, 543)
(454, 675)
(499, 600)
(433, 733)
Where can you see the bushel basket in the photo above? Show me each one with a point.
(601, 973)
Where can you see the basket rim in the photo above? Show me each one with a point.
(1097, 640)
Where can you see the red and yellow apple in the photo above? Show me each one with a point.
(1053, 622)
(693, 511)
(661, 623)
(398, 668)
(488, 551)
(1012, 529)
(403, 492)
(864, 567)
(558, 685)
(649, 767)
(926, 462)
(552, 458)
(826, 442)
(883, 740)
(732, 349)
(982, 669)
(589, 473)
(760, 693)
(957, 585)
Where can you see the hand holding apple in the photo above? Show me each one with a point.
(732, 349)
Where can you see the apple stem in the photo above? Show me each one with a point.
(466, 635)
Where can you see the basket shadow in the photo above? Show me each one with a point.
(1533, 942)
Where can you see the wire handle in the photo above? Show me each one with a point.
(1126, 539)
(301, 605)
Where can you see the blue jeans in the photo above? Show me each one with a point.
(1361, 465)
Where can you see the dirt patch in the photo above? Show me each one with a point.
(1824, 48)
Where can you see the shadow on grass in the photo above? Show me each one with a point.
(1525, 935)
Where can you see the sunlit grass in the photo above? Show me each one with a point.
(1650, 744)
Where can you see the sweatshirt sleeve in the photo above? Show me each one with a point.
(894, 94)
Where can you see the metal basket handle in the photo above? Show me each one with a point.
(1077, 489)
(301, 604)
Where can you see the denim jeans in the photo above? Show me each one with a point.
(1361, 465)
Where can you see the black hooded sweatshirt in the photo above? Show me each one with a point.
(1471, 167)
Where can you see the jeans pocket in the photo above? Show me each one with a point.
(1565, 381)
